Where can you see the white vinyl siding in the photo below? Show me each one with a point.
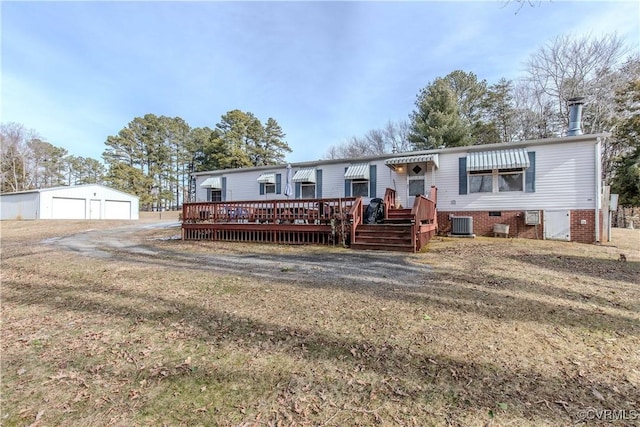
(565, 178)
(242, 185)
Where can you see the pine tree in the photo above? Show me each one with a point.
(437, 121)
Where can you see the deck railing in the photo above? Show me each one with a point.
(282, 211)
(425, 218)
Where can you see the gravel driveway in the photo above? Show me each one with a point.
(298, 265)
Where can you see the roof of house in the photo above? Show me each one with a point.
(466, 149)
(67, 187)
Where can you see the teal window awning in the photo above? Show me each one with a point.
(214, 182)
(423, 158)
(267, 178)
(305, 175)
(358, 172)
(516, 158)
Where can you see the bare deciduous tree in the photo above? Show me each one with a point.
(570, 66)
(393, 137)
(14, 157)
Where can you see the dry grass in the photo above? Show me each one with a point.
(500, 332)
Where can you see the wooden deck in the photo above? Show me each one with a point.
(337, 221)
(308, 221)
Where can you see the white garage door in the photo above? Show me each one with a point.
(117, 209)
(66, 208)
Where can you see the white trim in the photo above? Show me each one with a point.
(598, 188)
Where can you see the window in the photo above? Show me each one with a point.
(360, 188)
(497, 172)
(510, 180)
(480, 182)
(501, 180)
(416, 187)
(270, 183)
(308, 190)
(215, 195)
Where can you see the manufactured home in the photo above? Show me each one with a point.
(539, 189)
(89, 201)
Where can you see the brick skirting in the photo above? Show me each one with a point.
(483, 224)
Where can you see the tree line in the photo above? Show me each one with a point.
(28, 162)
(153, 156)
(459, 109)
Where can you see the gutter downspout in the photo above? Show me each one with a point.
(598, 188)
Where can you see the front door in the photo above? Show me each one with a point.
(557, 225)
(94, 209)
(416, 173)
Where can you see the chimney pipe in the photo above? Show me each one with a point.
(575, 115)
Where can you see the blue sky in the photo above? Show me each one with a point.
(77, 72)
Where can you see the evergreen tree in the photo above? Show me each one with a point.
(236, 140)
(274, 146)
(626, 180)
(499, 111)
(436, 121)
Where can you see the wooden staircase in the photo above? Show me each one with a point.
(405, 230)
(394, 234)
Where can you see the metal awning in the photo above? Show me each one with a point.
(267, 178)
(305, 175)
(359, 171)
(423, 158)
(514, 158)
(212, 182)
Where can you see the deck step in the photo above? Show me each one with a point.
(382, 247)
(378, 228)
(400, 240)
(398, 216)
(387, 237)
(405, 221)
(399, 212)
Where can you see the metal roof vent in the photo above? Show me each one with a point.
(575, 115)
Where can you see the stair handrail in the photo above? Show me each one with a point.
(356, 217)
(424, 209)
(424, 212)
(389, 201)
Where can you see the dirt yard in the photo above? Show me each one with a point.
(121, 323)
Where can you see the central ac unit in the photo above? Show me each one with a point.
(462, 225)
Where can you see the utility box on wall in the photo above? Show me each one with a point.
(532, 217)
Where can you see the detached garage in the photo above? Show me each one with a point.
(90, 201)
